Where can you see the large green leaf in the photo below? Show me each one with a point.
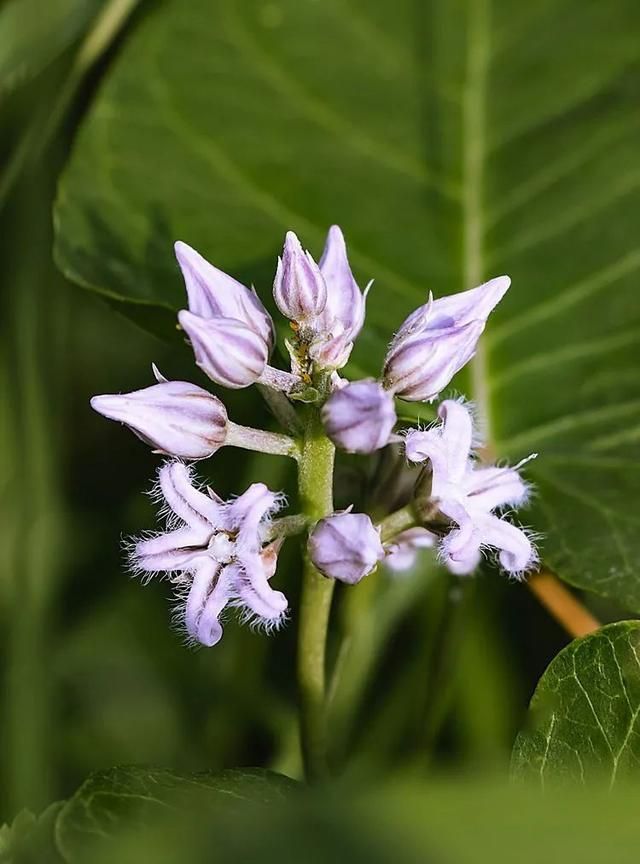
(584, 720)
(120, 800)
(453, 141)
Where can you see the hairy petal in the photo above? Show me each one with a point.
(209, 593)
(200, 512)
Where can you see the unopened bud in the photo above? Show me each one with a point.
(345, 546)
(226, 350)
(173, 417)
(299, 288)
(359, 417)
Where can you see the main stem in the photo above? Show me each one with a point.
(315, 485)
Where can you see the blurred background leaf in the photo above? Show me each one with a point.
(583, 722)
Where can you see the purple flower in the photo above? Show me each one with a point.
(467, 494)
(299, 288)
(213, 294)
(438, 339)
(345, 546)
(174, 417)
(229, 352)
(214, 552)
(339, 323)
(403, 551)
(359, 417)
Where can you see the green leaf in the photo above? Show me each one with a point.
(120, 800)
(453, 142)
(35, 33)
(584, 719)
(29, 839)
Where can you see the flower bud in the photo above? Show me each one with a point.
(225, 349)
(299, 288)
(419, 366)
(343, 315)
(345, 546)
(438, 339)
(173, 417)
(214, 294)
(359, 418)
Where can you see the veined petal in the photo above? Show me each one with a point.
(226, 350)
(345, 302)
(214, 294)
(457, 435)
(254, 592)
(246, 513)
(490, 488)
(473, 305)
(210, 592)
(196, 509)
(166, 553)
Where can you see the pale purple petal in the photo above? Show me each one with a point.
(247, 512)
(490, 488)
(210, 592)
(418, 367)
(170, 552)
(359, 417)
(299, 288)
(476, 304)
(226, 350)
(517, 554)
(254, 592)
(196, 509)
(345, 302)
(214, 294)
(174, 417)
(457, 435)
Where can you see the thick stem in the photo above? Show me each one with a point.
(280, 380)
(560, 602)
(315, 484)
(263, 442)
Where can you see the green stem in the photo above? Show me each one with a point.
(315, 485)
(397, 522)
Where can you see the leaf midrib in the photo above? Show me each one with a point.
(474, 106)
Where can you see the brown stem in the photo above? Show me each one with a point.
(562, 604)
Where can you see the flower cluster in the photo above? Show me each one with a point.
(222, 555)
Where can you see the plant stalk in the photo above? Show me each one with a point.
(315, 485)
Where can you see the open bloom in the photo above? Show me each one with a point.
(174, 417)
(467, 494)
(438, 339)
(231, 332)
(215, 554)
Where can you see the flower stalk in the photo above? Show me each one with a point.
(315, 486)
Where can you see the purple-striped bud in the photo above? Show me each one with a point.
(226, 350)
(214, 294)
(345, 546)
(173, 417)
(299, 288)
(438, 339)
(343, 315)
(359, 417)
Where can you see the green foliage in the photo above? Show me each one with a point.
(121, 800)
(583, 722)
(452, 142)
